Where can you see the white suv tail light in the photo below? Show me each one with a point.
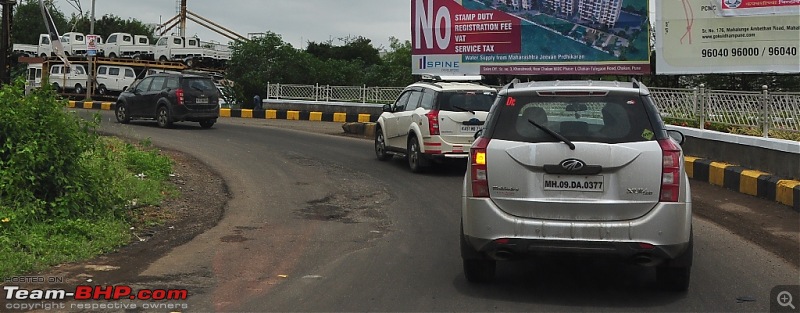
(433, 122)
(480, 180)
(671, 170)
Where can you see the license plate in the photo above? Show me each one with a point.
(201, 100)
(573, 183)
(470, 129)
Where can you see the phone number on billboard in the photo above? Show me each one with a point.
(748, 52)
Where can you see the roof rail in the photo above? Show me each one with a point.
(440, 78)
(635, 82)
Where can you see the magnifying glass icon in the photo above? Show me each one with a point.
(785, 299)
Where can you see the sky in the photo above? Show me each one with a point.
(296, 21)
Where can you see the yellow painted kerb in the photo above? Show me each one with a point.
(247, 113)
(748, 182)
(340, 117)
(363, 118)
(688, 162)
(293, 115)
(785, 193)
(225, 112)
(106, 105)
(315, 116)
(272, 114)
(716, 173)
(88, 104)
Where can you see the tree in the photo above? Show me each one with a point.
(395, 71)
(354, 48)
(29, 23)
(109, 23)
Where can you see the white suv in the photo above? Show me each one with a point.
(577, 168)
(433, 120)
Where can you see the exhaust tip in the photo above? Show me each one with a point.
(503, 255)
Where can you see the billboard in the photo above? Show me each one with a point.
(530, 37)
(727, 36)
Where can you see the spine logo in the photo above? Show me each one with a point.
(424, 64)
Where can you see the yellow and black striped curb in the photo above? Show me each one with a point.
(262, 114)
(751, 182)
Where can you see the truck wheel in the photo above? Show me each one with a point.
(162, 58)
(78, 89)
(56, 87)
(102, 90)
(112, 55)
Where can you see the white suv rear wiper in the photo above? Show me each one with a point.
(463, 109)
(554, 134)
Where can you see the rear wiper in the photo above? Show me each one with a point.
(554, 134)
(463, 109)
(198, 88)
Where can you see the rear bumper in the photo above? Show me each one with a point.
(183, 114)
(667, 228)
(437, 148)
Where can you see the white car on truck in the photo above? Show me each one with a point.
(114, 79)
(187, 50)
(72, 78)
(125, 45)
(42, 49)
(74, 43)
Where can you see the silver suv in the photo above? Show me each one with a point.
(577, 168)
(433, 120)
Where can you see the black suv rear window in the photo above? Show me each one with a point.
(612, 118)
(201, 84)
(466, 101)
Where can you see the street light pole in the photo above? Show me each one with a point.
(90, 89)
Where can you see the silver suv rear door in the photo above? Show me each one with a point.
(614, 172)
(462, 113)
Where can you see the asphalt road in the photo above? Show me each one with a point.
(324, 226)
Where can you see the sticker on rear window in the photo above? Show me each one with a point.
(647, 134)
(511, 102)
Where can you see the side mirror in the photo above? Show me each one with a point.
(478, 134)
(387, 108)
(677, 136)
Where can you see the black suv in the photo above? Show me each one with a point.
(169, 98)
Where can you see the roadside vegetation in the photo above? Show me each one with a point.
(67, 193)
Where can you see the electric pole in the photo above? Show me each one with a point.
(5, 40)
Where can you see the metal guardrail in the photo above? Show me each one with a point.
(760, 110)
(327, 93)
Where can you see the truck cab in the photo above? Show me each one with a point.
(128, 46)
(74, 43)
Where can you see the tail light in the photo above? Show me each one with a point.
(671, 170)
(179, 95)
(433, 122)
(478, 173)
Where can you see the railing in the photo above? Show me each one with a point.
(760, 110)
(763, 110)
(327, 93)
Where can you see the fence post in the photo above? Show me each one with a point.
(279, 90)
(266, 96)
(694, 115)
(364, 93)
(328, 91)
(702, 106)
(765, 106)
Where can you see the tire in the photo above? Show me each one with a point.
(163, 118)
(163, 59)
(102, 90)
(207, 123)
(138, 57)
(190, 62)
(79, 89)
(112, 55)
(122, 113)
(56, 87)
(380, 146)
(675, 274)
(416, 161)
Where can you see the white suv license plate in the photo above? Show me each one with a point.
(573, 183)
(200, 100)
(470, 129)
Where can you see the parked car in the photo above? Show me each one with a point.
(74, 43)
(169, 98)
(578, 169)
(72, 78)
(128, 46)
(112, 78)
(433, 120)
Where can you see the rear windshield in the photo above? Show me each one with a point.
(613, 118)
(466, 100)
(202, 84)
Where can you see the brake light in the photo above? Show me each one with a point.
(433, 122)
(179, 95)
(671, 170)
(478, 173)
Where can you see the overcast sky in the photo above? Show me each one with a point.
(297, 21)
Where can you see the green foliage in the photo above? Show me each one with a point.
(28, 21)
